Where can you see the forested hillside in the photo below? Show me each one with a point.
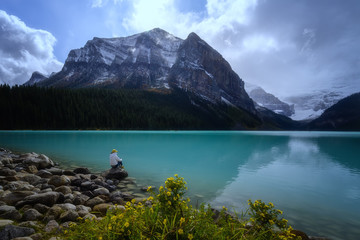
(30, 107)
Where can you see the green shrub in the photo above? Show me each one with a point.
(167, 214)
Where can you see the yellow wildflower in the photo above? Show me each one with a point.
(168, 193)
(164, 222)
(169, 202)
(127, 224)
(190, 236)
(182, 220)
(176, 175)
(180, 231)
(133, 201)
(161, 188)
(100, 238)
(149, 189)
(271, 204)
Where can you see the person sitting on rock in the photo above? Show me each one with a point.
(115, 161)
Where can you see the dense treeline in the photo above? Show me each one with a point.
(30, 107)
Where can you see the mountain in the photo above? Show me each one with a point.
(309, 106)
(344, 115)
(35, 78)
(153, 60)
(268, 100)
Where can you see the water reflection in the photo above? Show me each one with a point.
(319, 194)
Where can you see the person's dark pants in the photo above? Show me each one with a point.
(117, 165)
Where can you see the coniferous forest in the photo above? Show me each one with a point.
(31, 107)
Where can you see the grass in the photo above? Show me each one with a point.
(167, 214)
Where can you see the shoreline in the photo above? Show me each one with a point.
(36, 195)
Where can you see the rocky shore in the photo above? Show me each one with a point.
(38, 198)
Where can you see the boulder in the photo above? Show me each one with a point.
(80, 199)
(44, 174)
(11, 231)
(115, 173)
(82, 170)
(7, 172)
(40, 161)
(63, 189)
(52, 226)
(54, 212)
(9, 212)
(32, 215)
(4, 222)
(102, 208)
(30, 178)
(67, 206)
(31, 169)
(58, 181)
(14, 197)
(70, 215)
(48, 199)
(55, 171)
(101, 191)
(19, 186)
(41, 208)
(94, 201)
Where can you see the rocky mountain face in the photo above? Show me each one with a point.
(153, 59)
(344, 115)
(35, 78)
(311, 105)
(269, 101)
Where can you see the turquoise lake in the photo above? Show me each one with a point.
(314, 177)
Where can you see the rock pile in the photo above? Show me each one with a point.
(36, 195)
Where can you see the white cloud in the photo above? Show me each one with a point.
(286, 52)
(24, 50)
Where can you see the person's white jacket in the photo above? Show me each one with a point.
(114, 159)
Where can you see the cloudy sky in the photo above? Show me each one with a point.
(286, 46)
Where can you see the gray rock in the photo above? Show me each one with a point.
(48, 198)
(11, 231)
(55, 171)
(30, 178)
(30, 224)
(13, 197)
(102, 208)
(70, 215)
(7, 172)
(32, 215)
(63, 189)
(9, 212)
(44, 174)
(80, 199)
(58, 181)
(40, 161)
(4, 222)
(115, 173)
(41, 208)
(82, 170)
(37, 236)
(6, 208)
(54, 212)
(52, 226)
(101, 191)
(67, 206)
(94, 201)
(19, 186)
(22, 238)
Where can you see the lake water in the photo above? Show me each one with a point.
(314, 177)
